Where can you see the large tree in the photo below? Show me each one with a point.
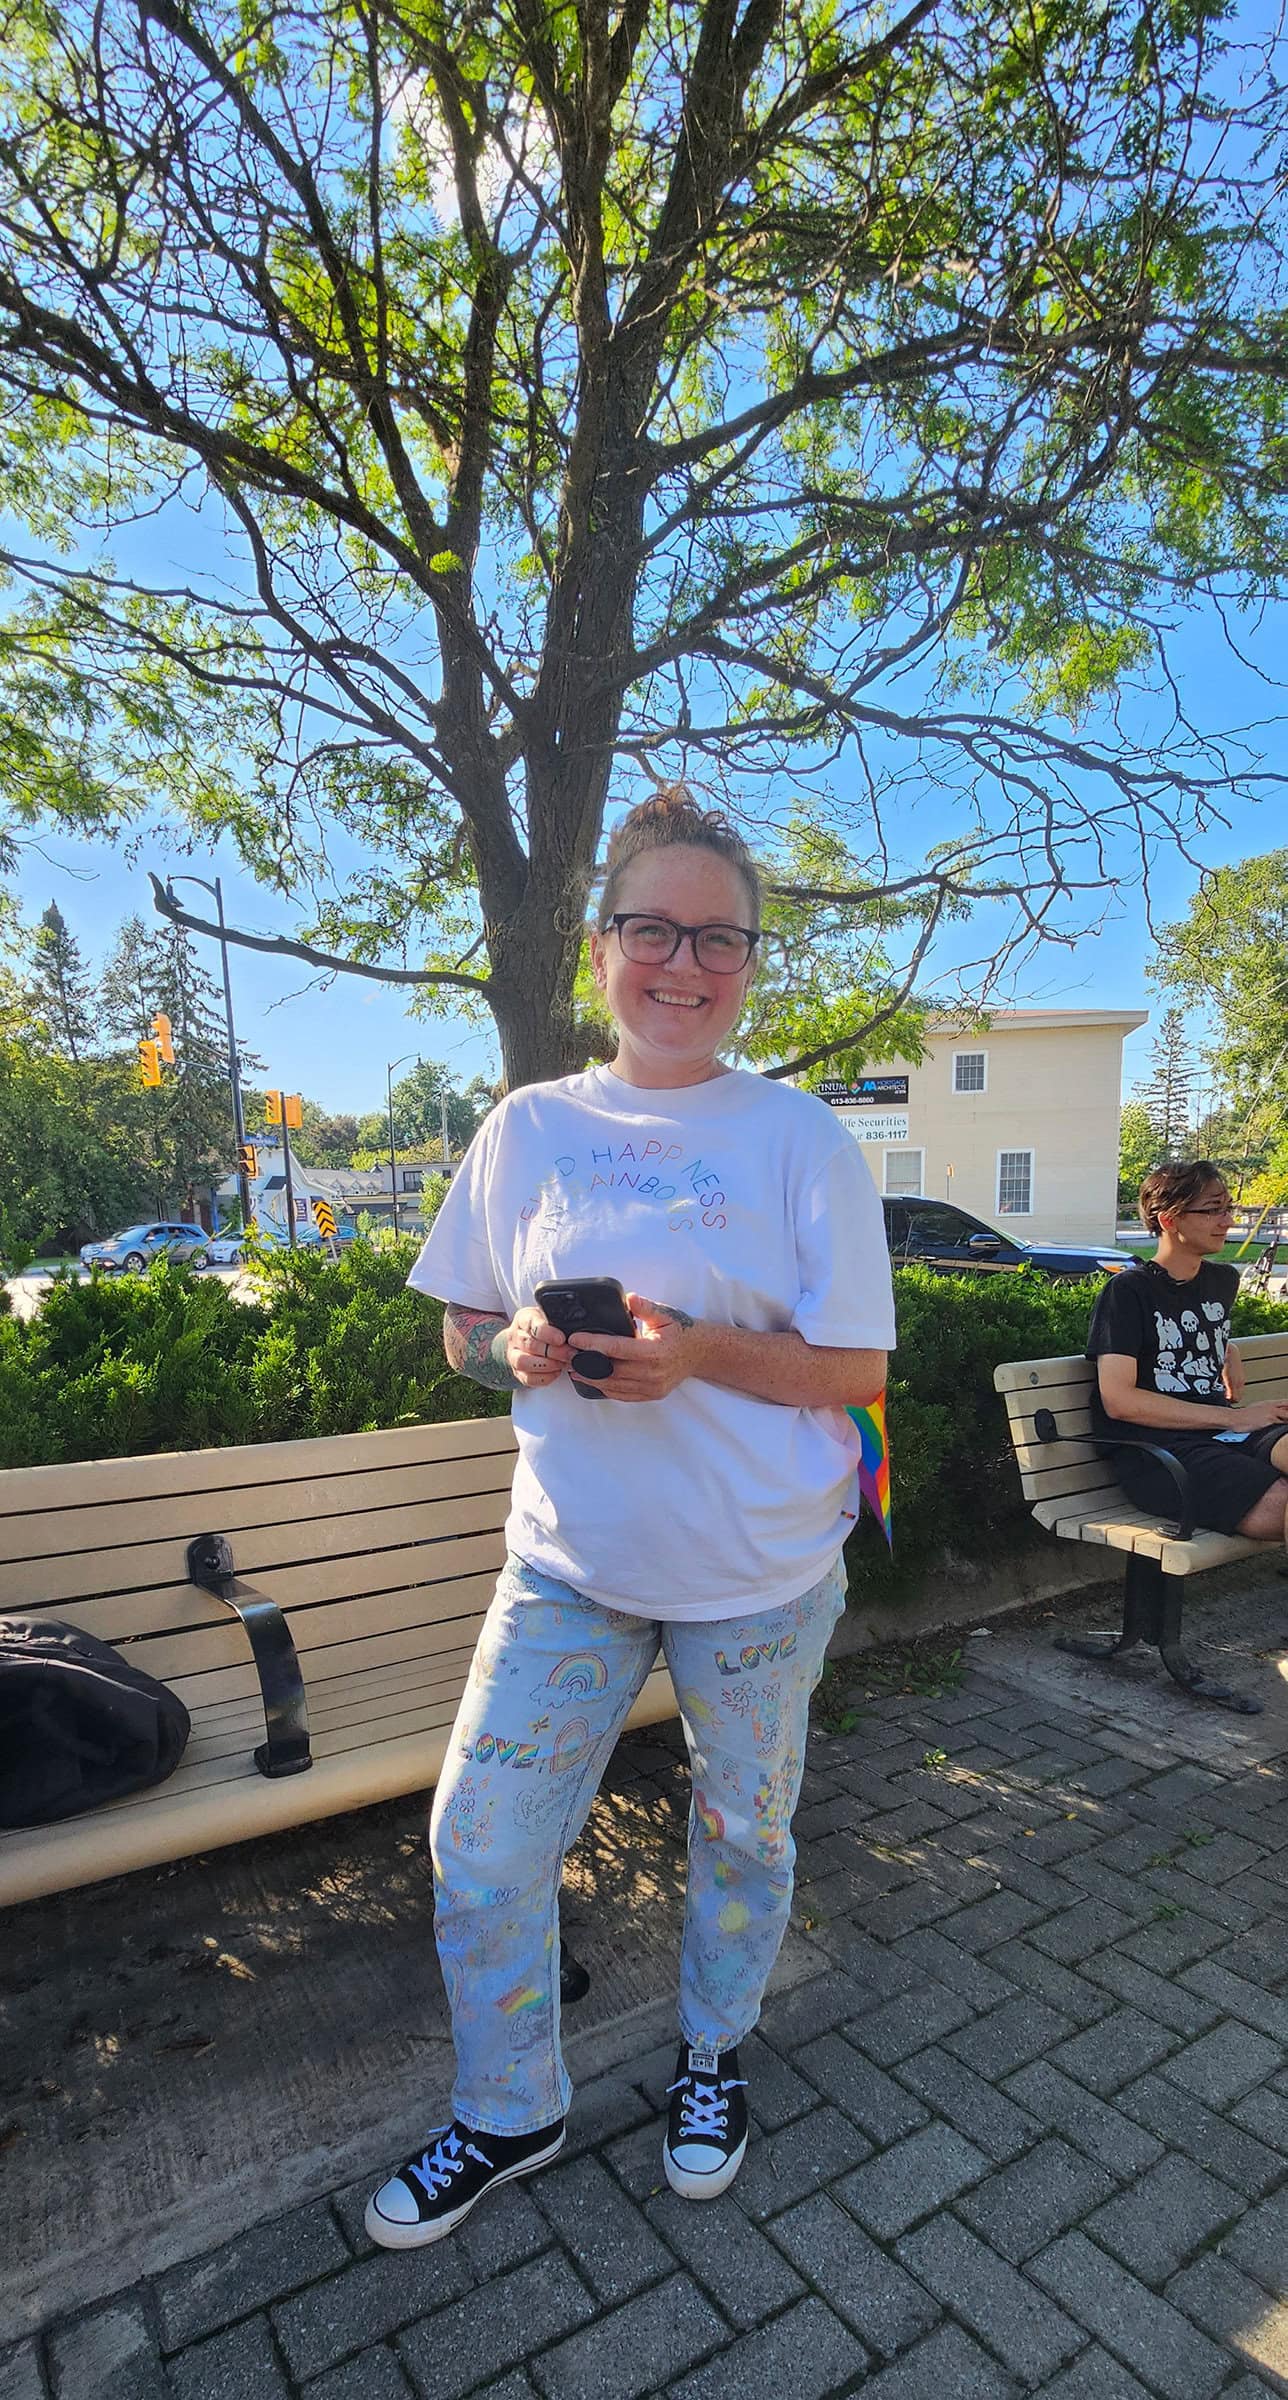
(776, 391)
(1228, 955)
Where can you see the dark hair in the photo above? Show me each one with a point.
(670, 820)
(1174, 1185)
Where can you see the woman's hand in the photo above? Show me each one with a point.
(662, 1354)
(536, 1353)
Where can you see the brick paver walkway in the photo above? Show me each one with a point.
(1024, 2130)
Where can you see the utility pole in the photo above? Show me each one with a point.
(389, 1102)
(285, 1109)
(290, 1189)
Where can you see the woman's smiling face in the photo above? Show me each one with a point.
(672, 1019)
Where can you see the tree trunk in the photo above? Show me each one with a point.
(534, 957)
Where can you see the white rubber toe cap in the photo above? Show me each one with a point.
(394, 2204)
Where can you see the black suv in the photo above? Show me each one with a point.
(932, 1233)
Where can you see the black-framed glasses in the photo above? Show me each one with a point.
(1226, 1208)
(653, 941)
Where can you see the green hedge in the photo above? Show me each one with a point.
(170, 1361)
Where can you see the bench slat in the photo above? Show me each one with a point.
(324, 1622)
(96, 1482)
(392, 1683)
(394, 1587)
(404, 1644)
(237, 1508)
(1125, 1528)
(1037, 1374)
(1092, 1476)
(259, 1550)
(214, 1757)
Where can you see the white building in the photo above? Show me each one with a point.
(1019, 1124)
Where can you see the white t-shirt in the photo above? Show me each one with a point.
(738, 1200)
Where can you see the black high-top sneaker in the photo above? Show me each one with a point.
(706, 2133)
(457, 2168)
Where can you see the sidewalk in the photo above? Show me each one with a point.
(1020, 2100)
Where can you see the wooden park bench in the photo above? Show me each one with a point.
(1068, 1478)
(315, 1605)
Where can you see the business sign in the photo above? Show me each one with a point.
(875, 1125)
(867, 1091)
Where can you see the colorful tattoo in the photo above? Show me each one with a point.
(475, 1346)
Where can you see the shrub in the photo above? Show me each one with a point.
(110, 1367)
(171, 1361)
(120, 1365)
(350, 1348)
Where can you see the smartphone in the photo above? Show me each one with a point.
(587, 1304)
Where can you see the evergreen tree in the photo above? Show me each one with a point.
(1168, 1092)
(61, 988)
(190, 1118)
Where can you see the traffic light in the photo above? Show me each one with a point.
(272, 1108)
(293, 1111)
(150, 1062)
(162, 1034)
(247, 1161)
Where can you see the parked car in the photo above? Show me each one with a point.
(135, 1249)
(225, 1250)
(932, 1233)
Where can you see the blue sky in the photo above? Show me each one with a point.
(333, 1043)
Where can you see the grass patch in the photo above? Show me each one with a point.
(919, 1671)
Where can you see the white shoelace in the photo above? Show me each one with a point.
(704, 2110)
(447, 2158)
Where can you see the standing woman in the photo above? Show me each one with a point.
(701, 1505)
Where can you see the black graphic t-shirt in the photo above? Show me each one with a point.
(1176, 1332)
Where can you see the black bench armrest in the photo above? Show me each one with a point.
(286, 1716)
(1044, 1425)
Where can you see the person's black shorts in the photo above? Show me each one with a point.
(1229, 1477)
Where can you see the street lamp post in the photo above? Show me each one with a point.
(234, 1075)
(389, 1101)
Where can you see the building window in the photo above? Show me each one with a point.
(413, 1179)
(903, 1174)
(1015, 1183)
(970, 1070)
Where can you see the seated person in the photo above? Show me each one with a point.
(1165, 1363)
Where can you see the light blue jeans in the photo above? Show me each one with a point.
(553, 1679)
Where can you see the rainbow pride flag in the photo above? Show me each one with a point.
(874, 1462)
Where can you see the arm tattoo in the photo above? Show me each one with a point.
(475, 1346)
(678, 1316)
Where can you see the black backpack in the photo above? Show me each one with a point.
(78, 1724)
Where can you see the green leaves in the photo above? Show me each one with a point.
(534, 398)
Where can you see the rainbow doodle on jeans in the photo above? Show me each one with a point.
(523, 1998)
(571, 1744)
(709, 1818)
(578, 1675)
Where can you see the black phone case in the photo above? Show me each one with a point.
(559, 1300)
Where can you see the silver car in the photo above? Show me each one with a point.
(134, 1250)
